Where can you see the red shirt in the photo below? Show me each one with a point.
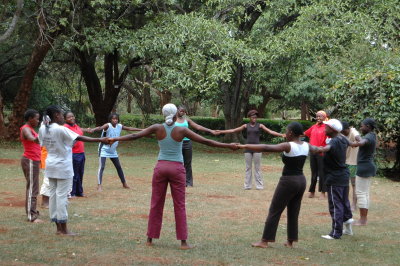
(31, 149)
(317, 136)
(79, 147)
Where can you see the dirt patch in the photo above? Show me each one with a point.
(3, 230)
(269, 168)
(322, 214)
(9, 161)
(13, 202)
(220, 197)
(140, 216)
(153, 260)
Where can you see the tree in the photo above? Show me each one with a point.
(13, 24)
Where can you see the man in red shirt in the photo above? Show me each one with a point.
(30, 163)
(78, 155)
(317, 137)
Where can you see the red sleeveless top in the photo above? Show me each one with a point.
(31, 149)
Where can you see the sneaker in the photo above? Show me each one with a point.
(349, 221)
(327, 237)
(347, 229)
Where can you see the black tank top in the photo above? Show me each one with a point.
(253, 134)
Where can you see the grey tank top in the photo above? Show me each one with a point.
(253, 134)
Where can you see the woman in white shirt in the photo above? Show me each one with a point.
(58, 141)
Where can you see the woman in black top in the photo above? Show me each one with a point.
(290, 189)
(366, 168)
(251, 157)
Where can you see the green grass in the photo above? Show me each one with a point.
(223, 219)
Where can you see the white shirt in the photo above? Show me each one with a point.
(58, 141)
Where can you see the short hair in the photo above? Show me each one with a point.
(345, 125)
(30, 113)
(252, 112)
(369, 122)
(112, 115)
(296, 128)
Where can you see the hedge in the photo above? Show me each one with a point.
(218, 123)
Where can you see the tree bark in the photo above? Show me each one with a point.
(2, 126)
(103, 101)
(40, 50)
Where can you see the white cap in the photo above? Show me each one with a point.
(334, 124)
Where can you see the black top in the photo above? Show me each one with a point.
(336, 172)
(253, 134)
(293, 165)
(365, 157)
(295, 159)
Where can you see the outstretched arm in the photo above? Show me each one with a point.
(88, 139)
(273, 133)
(103, 127)
(233, 130)
(198, 127)
(196, 137)
(131, 128)
(322, 149)
(145, 132)
(266, 147)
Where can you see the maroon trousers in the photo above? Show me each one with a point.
(173, 173)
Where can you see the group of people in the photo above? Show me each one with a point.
(174, 167)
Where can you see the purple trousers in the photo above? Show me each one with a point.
(173, 173)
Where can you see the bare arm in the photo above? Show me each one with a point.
(198, 127)
(86, 130)
(269, 131)
(233, 130)
(195, 137)
(313, 149)
(103, 127)
(88, 139)
(323, 149)
(145, 132)
(131, 128)
(266, 147)
(27, 134)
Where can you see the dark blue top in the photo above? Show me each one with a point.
(336, 172)
(365, 157)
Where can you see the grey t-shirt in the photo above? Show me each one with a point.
(365, 158)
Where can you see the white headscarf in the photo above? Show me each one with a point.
(169, 111)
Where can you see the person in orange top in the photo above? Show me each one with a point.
(317, 137)
(30, 162)
(45, 188)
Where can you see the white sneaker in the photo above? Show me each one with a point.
(349, 221)
(347, 229)
(327, 237)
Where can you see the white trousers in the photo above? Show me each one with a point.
(58, 202)
(362, 191)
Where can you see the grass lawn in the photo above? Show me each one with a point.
(223, 219)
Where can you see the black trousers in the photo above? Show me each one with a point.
(317, 170)
(187, 161)
(339, 208)
(102, 164)
(288, 194)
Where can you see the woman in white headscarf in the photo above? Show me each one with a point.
(169, 169)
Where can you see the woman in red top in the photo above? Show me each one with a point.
(317, 137)
(30, 163)
(78, 155)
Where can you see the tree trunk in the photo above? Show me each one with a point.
(40, 50)
(2, 124)
(304, 110)
(13, 25)
(233, 104)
